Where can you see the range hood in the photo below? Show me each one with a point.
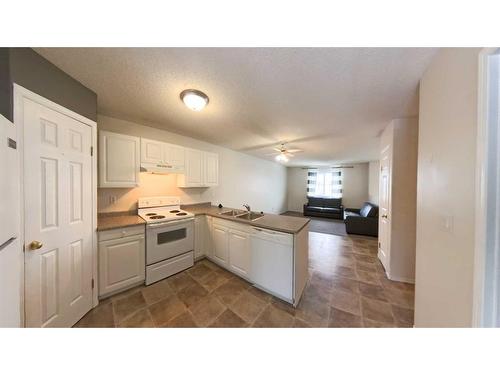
(157, 168)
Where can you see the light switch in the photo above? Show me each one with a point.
(447, 223)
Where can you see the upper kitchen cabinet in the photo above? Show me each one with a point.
(119, 160)
(163, 155)
(201, 169)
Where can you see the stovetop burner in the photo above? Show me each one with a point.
(174, 211)
(181, 214)
(157, 217)
(151, 214)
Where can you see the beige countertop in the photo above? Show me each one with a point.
(281, 223)
(117, 220)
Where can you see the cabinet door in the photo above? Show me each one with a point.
(174, 156)
(220, 242)
(121, 264)
(239, 253)
(199, 236)
(194, 168)
(152, 151)
(211, 176)
(119, 160)
(209, 247)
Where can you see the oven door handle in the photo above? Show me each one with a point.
(169, 223)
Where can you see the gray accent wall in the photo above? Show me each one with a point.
(30, 70)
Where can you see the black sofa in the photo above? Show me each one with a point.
(362, 221)
(324, 207)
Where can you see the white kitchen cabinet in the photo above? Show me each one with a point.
(209, 247)
(211, 169)
(201, 169)
(119, 160)
(200, 229)
(122, 260)
(239, 253)
(220, 236)
(154, 153)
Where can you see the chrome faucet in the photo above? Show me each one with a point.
(247, 207)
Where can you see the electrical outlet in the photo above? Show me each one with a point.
(112, 199)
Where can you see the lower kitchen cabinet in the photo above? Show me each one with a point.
(239, 252)
(122, 260)
(221, 245)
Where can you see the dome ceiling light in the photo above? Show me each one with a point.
(195, 100)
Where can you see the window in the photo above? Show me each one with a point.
(324, 183)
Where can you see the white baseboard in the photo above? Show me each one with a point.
(401, 279)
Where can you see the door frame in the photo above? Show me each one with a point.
(485, 311)
(21, 93)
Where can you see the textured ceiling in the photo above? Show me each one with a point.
(330, 102)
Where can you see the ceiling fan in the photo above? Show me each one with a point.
(283, 154)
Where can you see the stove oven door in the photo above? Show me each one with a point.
(166, 240)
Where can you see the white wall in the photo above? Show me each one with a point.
(242, 178)
(297, 188)
(446, 175)
(354, 186)
(373, 181)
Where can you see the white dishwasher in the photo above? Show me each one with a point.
(272, 262)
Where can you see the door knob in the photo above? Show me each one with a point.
(35, 245)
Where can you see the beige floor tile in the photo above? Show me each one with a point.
(343, 319)
(200, 271)
(180, 281)
(404, 317)
(376, 310)
(206, 310)
(140, 319)
(372, 291)
(401, 297)
(228, 319)
(99, 317)
(266, 297)
(346, 285)
(230, 291)
(184, 320)
(213, 281)
(126, 306)
(166, 309)
(192, 294)
(248, 307)
(156, 292)
(349, 302)
(272, 317)
(368, 277)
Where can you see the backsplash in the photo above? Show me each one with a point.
(120, 199)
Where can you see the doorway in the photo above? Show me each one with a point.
(487, 242)
(59, 213)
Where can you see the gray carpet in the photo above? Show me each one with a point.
(320, 225)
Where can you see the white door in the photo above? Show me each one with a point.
(384, 210)
(194, 168)
(119, 160)
(220, 243)
(152, 151)
(239, 253)
(211, 169)
(58, 217)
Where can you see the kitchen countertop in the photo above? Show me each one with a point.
(281, 223)
(118, 220)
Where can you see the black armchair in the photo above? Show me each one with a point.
(362, 221)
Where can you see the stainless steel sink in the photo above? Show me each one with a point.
(233, 213)
(251, 216)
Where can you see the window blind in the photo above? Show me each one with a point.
(324, 183)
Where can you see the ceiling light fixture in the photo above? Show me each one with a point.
(281, 158)
(195, 100)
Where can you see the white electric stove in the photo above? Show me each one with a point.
(169, 237)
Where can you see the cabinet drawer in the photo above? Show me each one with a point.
(121, 232)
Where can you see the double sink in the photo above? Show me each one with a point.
(242, 214)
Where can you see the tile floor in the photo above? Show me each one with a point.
(347, 288)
